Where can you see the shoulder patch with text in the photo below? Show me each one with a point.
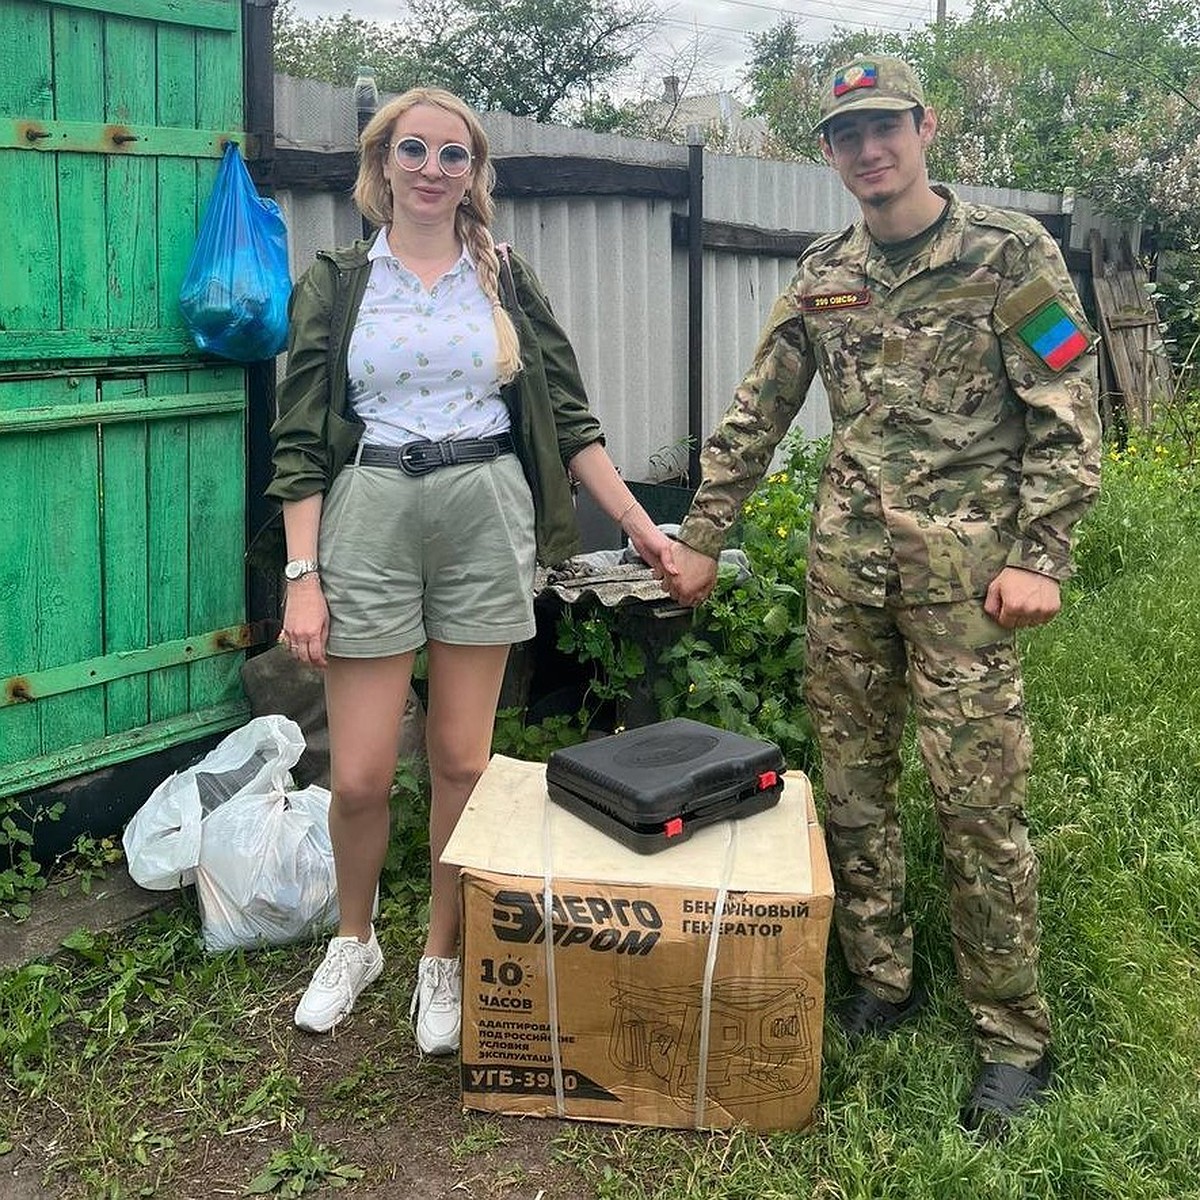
(1053, 336)
(827, 301)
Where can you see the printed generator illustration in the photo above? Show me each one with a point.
(760, 1038)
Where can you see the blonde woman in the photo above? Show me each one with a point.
(428, 418)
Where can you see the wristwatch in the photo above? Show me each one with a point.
(299, 567)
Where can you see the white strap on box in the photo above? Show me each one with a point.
(560, 1102)
(710, 963)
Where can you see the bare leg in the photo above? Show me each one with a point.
(464, 687)
(365, 699)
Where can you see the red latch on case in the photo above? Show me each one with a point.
(674, 827)
(768, 779)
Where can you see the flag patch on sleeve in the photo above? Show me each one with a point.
(860, 75)
(1053, 336)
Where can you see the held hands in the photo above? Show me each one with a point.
(1017, 598)
(653, 546)
(306, 621)
(694, 577)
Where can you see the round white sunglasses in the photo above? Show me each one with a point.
(411, 154)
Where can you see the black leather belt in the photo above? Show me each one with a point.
(419, 458)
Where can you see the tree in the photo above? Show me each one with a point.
(1044, 95)
(1097, 95)
(1101, 96)
(784, 77)
(651, 112)
(533, 58)
(331, 49)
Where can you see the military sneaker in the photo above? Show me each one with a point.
(1000, 1093)
(338, 982)
(866, 1015)
(436, 1008)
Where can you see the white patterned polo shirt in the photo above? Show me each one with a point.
(423, 363)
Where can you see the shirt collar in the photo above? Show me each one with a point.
(945, 247)
(381, 249)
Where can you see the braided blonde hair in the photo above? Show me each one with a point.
(473, 219)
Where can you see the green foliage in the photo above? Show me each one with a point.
(1156, 471)
(479, 1139)
(404, 882)
(331, 48)
(21, 876)
(617, 663)
(742, 665)
(532, 58)
(129, 1059)
(1111, 687)
(88, 860)
(1025, 103)
(591, 636)
(784, 77)
(1176, 297)
(535, 743)
(303, 1167)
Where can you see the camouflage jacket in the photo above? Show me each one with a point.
(962, 390)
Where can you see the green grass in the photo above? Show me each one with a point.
(1114, 695)
(125, 1052)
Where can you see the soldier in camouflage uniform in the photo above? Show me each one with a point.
(961, 377)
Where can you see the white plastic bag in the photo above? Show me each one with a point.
(266, 873)
(162, 842)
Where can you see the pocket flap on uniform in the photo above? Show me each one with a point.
(1025, 300)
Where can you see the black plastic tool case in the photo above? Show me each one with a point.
(653, 787)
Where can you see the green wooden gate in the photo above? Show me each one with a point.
(122, 450)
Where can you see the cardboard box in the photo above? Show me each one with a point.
(658, 1018)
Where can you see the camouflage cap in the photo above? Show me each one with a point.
(871, 81)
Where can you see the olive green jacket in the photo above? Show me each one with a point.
(317, 430)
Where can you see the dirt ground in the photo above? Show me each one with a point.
(402, 1124)
(365, 1094)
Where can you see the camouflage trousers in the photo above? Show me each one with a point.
(963, 675)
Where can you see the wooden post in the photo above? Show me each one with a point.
(258, 58)
(1096, 247)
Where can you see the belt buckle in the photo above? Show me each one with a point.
(413, 460)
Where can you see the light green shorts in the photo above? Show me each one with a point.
(447, 556)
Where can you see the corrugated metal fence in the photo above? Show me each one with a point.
(612, 264)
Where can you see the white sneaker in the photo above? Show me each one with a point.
(436, 1008)
(338, 982)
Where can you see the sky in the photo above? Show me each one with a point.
(718, 27)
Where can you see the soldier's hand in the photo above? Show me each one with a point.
(695, 575)
(1017, 598)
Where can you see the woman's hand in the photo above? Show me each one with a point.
(306, 620)
(653, 546)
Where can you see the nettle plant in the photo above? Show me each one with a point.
(21, 875)
(740, 665)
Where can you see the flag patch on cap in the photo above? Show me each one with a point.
(1053, 336)
(859, 75)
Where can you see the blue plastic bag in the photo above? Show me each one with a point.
(235, 293)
